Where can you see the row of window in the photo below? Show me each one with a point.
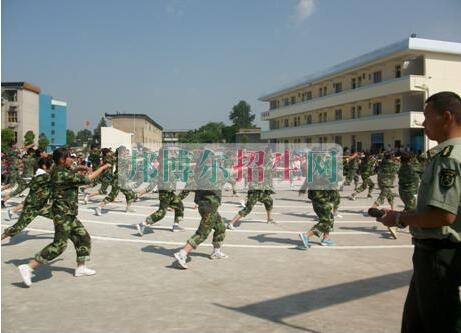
(355, 112)
(356, 82)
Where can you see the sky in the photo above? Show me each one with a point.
(188, 62)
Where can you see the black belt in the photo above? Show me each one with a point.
(436, 244)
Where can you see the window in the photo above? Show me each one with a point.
(273, 104)
(15, 137)
(377, 108)
(52, 123)
(296, 122)
(324, 91)
(278, 123)
(338, 87)
(338, 114)
(359, 111)
(52, 132)
(359, 82)
(53, 115)
(52, 107)
(338, 140)
(320, 92)
(324, 117)
(354, 83)
(397, 105)
(353, 112)
(293, 99)
(308, 95)
(398, 71)
(286, 123)
(286, 101)
(309, 119)
(377, 77)
(13, 116)
(320, 117)
(52, 140)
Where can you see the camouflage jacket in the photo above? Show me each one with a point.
(95, 159)
(64, 186)
(28, 166)
(39, 191)
(387, 171)
(409, 174)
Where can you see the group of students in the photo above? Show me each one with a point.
(54, 189)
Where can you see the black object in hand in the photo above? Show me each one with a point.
(375, 212)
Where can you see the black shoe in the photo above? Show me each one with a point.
(3, 204)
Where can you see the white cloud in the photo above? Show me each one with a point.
(304, 9)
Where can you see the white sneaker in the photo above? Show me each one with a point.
(218, 254)
(181, 260)
(140, 226)
(339, 216)
(85, 199)
(6, 214)
(26, 274)
(176, 227)
(84, 271)
(242, 203)
(97, 211)
(230, 226)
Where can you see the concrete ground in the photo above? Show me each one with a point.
(268, 283)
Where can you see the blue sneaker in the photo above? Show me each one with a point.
(304, 239)
(327, 242)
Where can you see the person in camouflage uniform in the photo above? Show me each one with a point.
(259, 192)
(12, 158)
(119, 182)
(409, 175)
(325, 203)
(36, 202)
(352, 169)
(64, 196)
(167, 198)
(367, 168)
(28, 167)
(387, 171)
(106, 177)
(208, 198)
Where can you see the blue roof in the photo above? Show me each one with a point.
(418, 44)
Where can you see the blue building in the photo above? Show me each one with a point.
(53, 120)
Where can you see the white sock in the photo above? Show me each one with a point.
(183, 253)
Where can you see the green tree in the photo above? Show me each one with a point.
(70, 137)
(241, 116)
(211, 133)
(188, 137)
(43, 141)
(7, 137)
(84, 136)
(97, 130)
(29, 138)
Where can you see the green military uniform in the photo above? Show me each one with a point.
(28, 163)
(36, 203)
(433, 301)
(409, 174)
(107, 175)
(95, 158)
(387, 172)
(366, 171)
(64, 188)
(352, 172)
(324, 203)
(119, 182)
(12, 158)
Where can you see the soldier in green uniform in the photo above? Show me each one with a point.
(352, 163)
(119, 182)
(28, 167)
(106, 177)
(387, 171)
(433, 302)
(367, 167)
(259, 192)
(409, 174)
(208, 198)
(64, 188)
(36, 202)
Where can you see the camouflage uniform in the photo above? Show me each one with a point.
(36, 203)
(12, 157)
(107, 175)
(409, 174)
(28, 172)
(386, 177)
(352, 172)
(167, 199)
(366, 171)
(64, 209)
(95, 159)
(119, 183)
(208, 203)
(324, 203)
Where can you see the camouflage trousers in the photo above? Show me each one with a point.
(210, 220)
(367, 182)
(66, 227)
(23, 184)
(385, 193)
(152, 183)
(130, 195)
(352, 175)
(323, 208)
(28, 214)
(168, 199)
(409, 198)
(263, 196)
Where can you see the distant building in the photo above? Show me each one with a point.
(145, 130)
(20, 109)
(172, 136)
(53, 120)
(249, 135)
(370, 102)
